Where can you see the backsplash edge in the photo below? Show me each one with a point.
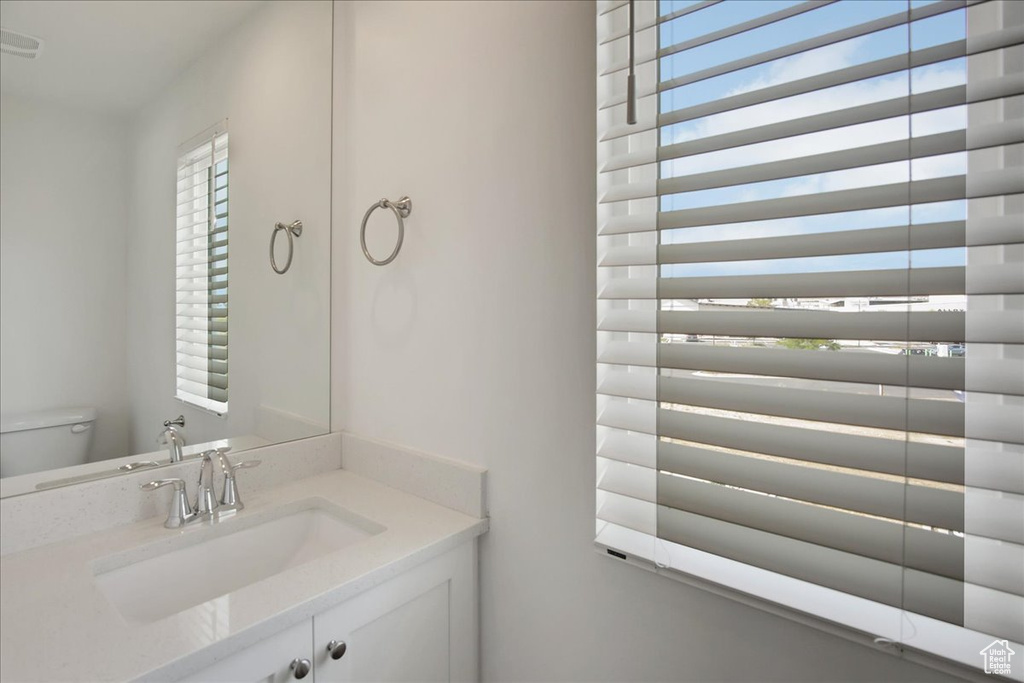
(451, 483)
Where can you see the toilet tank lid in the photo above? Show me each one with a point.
(19, 422)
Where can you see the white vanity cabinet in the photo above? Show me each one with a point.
(419, 626)
(268, 661)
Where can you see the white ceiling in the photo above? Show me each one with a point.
(110, 55)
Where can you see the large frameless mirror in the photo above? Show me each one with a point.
(148, 149)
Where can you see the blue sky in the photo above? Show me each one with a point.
(924, 33)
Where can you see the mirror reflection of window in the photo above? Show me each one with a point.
(201, 273)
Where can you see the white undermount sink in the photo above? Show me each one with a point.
(205, 563)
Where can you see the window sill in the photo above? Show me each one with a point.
(873, 641)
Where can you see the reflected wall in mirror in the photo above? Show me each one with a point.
(112, 305)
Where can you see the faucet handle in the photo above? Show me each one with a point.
(229, 498)
(178, 484)
(138, 465)
(244, 465)
(221, 455)
(180, 511)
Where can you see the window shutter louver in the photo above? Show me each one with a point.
(201, 261)
(811, 308)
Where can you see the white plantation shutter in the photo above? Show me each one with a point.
(201, 285)
(811, 308)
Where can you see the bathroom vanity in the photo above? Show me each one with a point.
(354, 563)
(414, 627)
(335, 575)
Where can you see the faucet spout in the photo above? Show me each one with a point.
(174, 440)
(206, 501)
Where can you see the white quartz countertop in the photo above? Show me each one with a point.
(56, 625)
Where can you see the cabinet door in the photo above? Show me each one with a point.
(268, 661)
(418, 627)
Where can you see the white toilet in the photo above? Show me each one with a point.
(45, 440)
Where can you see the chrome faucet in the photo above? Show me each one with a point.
(206, 501)
(173, 438)
(205, 507)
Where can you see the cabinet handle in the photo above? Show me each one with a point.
(337, 648)
(301, 667)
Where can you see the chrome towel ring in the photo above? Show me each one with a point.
(402, 208)
(295, 228)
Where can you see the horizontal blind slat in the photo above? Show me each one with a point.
(203, 337)
(865, 283)
(1000, 376)
(832, 528)
(866, 367)
(203, 391)
(218, 367)
(205, 273)
(200, 246)
(203, 325)
(203, 377)
(929, 326)
(850, 74)
(624, 511)
(203, 299)
(839, 118)
(865, 577)
(206, 352)
(896, 238)
(631, 223)
(629, 417)
(874, 454)
(627, 480)
(196, 312)
(930, 416)
(882, 153)
(743, 27)
(635, 449)
(877, 197)
(187, 235)
(841, 490)
(629, 321)
(866, 28)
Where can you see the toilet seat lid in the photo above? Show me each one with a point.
(39, 419)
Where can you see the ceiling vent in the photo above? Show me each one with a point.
(19, 44)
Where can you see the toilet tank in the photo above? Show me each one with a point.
(45, 440)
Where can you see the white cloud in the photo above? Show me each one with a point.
(823, 60)
(837, 98)
(877, 89)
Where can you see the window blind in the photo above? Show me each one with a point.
(811, 308)
(201, 284)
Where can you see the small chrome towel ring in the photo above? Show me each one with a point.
(295, 228)
(402, 208)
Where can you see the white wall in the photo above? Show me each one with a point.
(271, 78)
(63, 215)
(477, 343)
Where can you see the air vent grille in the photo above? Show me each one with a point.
(19, 44)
